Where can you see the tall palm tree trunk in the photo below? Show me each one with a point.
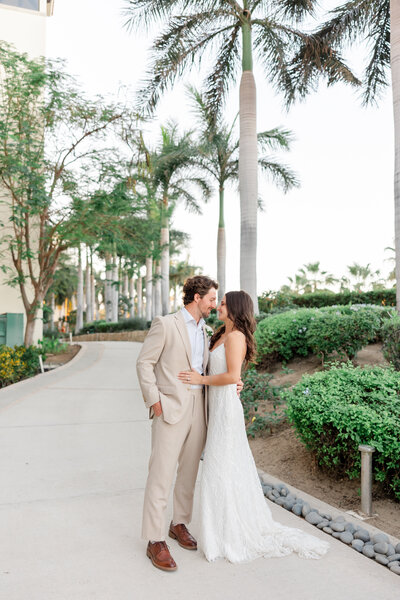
(395, 64)
(115, 289)
(126, 294)
(157, 291)
(149, 288)
(88, 289)
(221, 247)
(79, 296)
(164, 239)
(131, 297)
(139, 295)
(108, 288)
(92, 289)
(248, 184)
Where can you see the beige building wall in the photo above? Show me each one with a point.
(26, 30)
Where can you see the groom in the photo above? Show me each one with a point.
(175, 342)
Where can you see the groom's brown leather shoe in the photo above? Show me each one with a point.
(158, 553)
(185, 539)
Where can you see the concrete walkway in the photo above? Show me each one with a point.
(74, 445)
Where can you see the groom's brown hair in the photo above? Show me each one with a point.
(199, 284)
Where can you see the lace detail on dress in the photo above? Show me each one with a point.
(236, 522)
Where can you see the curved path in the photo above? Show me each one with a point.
(74, 445)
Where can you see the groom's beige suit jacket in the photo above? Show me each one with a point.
(166, 351)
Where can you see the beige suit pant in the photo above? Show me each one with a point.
(178, 445)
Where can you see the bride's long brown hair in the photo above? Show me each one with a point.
(240, 310)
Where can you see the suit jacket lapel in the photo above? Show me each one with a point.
(206, 351)
(181, 325)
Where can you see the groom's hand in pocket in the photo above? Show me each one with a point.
(157, 409)
(239, 386)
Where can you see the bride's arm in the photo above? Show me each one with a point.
(235, 351)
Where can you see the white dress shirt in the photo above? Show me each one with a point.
(196, 337)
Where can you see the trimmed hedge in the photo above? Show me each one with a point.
(334, 411)
(269, 301)
(322, 331)
(134, 324)
(391, 341)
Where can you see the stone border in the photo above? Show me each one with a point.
(115, 336)
(374, 544)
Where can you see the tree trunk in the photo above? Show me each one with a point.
(131, 297)
(79, 295)
(92, 290)
(126, 294)
(149, 288)
(395, 64)
(108, 288)
(175, 298)
(139, 294)
(157, 297)
(29, 328)
(88, 289)
(115, 290)
(221, 248)
(164, 240)
(248, 173)
(53, 310)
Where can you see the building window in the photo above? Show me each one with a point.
(29, 4)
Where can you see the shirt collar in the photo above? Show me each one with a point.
(188, 317)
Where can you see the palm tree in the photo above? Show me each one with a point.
(378, 23)
(175, 176)
(291, 61)
(218, 152)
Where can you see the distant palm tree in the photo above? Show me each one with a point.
(218, 156)
(291, 60)
(174, 173)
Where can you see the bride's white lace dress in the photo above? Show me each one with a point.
(236, 522)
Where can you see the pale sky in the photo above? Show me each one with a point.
(343, 154)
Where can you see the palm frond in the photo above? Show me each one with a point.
(294, 10)
(377, 74)
(180, 45)
(225, 71)
(275, 139)
(282, 176)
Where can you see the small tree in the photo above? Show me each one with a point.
(52, 145)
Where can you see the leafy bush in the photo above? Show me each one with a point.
(283, 335)
(341, 329)
(134, 324)
(271, 300)
(334, 331)
(391, 341)
(18, 363)
(334, 411)
(259, 393)
(52, 345)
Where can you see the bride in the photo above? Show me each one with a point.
(236, 522)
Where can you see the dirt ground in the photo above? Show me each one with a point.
(284, 456)
(63, 357)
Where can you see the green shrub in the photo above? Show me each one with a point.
(283, 335)
(258, 394)
(271, 300)
(18, 363)
(341, 329)
(134, 324)
(334, 411)
(391, 341)
(52, 345)
(335, 331)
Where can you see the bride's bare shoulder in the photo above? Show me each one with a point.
(235, 337)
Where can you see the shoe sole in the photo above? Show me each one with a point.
(158, 566)
(175, 537)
